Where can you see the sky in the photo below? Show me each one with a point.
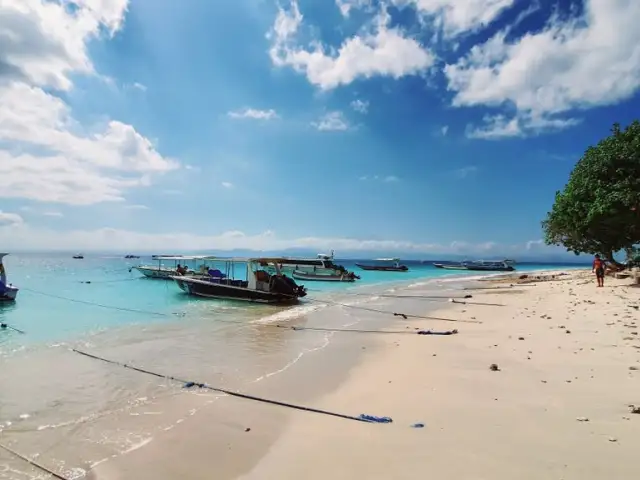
(423, 127)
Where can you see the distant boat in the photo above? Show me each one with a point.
(319, 277)
(78, 257)
(8, 292)
(132, 256)
(478, 265)
(394, 267)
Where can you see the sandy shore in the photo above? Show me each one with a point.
(568, 358)
(558, 407)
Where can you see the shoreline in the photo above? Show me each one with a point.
(329, 367)
(556, 408)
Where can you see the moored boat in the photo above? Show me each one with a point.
(8, 292)
(259, 286)
(479, 265)
(323, 264)
(394, 267)
(132, 256)
(179, 267)
(78, 256)
(318, 277)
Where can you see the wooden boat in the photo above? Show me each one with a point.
(450, 266)
(482, 266)
(394, 267)
(8, 292)
(316, 277)
(323, 264)
(180, 266)
(259, 286)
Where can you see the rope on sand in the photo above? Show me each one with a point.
(431, 298)
(353, 330)
(190, 384)
(395, 314)
(33, 463)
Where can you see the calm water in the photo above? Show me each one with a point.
(64, 406)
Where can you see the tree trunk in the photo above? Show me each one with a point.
(609, 258)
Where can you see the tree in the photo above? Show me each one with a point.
(599, 209)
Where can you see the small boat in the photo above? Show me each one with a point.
(323, 264)
(450, 266)
(260, 286)
(478, 265)
(132, 256)
(78, 257)
(319, 277)
(161, 271)
(395, 267)
(8, 292)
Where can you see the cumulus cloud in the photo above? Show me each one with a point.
(254, 114)
(7, 218)
(572, 64)
(45, 154)
(384, 51)
(332, 121)
(360, 106)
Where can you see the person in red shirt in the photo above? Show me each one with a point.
(598, 269)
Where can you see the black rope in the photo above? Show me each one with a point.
(111, 281)
(353, 330)
(5, 325)
(189, 384)
(395, 314)
(33, 463)
(430, 298)
(112, 307)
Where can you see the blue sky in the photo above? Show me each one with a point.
(418, 126)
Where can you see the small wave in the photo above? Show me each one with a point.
(290, 314)
(138, 445)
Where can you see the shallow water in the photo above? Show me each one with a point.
(50, 396)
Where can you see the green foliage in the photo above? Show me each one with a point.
(599, 209)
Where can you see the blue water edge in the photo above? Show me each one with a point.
(56, 303)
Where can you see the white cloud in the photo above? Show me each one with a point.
(20, 236)
(136, 207)
(379, 178)
(139, 86)
(360, 106)
(332, 121)
(444, 130)
(576, 63)
(496, 127)
(9, 219)
(382, 52)
(456, 17)
(227, 184)
(345, 6)
(254, 114)
(52, 214)
(45, 154)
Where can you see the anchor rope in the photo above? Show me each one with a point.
(33, 463)
(189, 384)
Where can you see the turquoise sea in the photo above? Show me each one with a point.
(63, 406)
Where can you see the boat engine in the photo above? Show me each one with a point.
(287, 286)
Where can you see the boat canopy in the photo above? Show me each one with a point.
(2, 255)
(387, 259)
(179, 257)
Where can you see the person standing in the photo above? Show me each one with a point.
(598, 269)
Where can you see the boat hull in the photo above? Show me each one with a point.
(230, 290)
(382, 268)
(490, 269)
(159, 273)
(322, 278)
(9, 294)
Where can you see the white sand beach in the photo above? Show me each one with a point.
(558, 407)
